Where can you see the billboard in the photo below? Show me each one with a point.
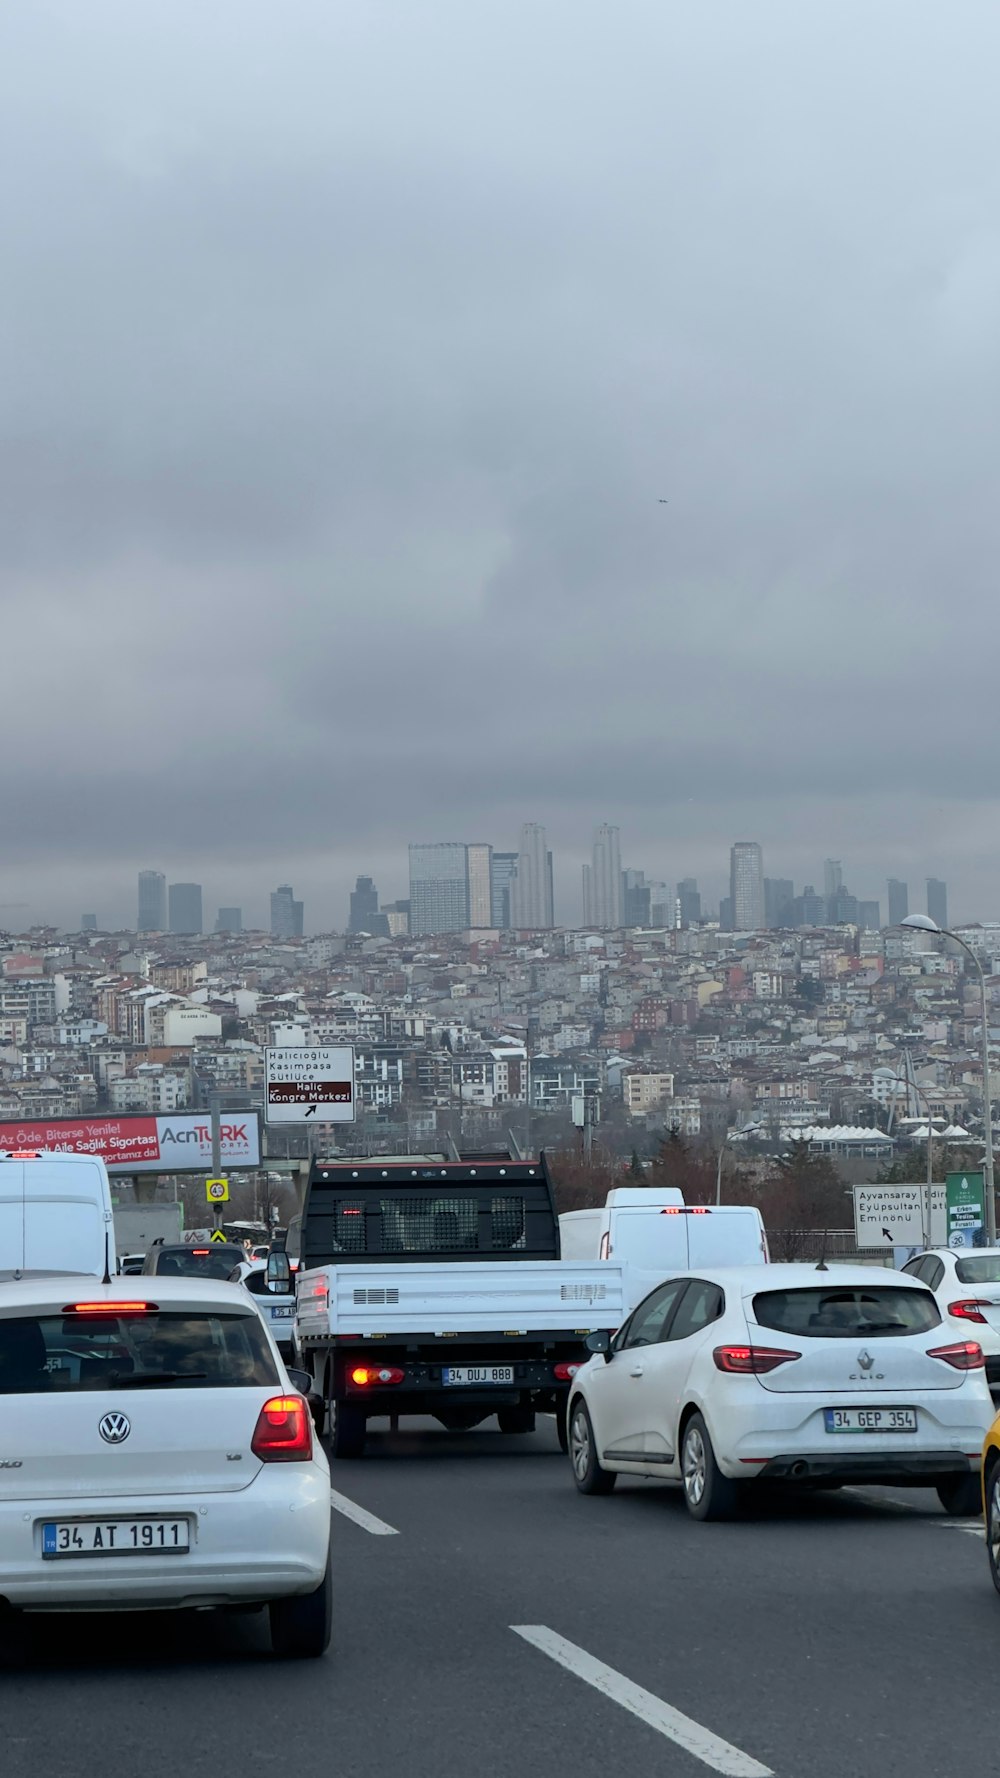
(179, 1144)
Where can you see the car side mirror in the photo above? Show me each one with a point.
(300, 1380)
(599, 1342)
(279, 1272)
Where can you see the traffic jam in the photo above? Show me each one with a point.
(168, 1431)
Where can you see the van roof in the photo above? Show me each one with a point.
(51, 1155)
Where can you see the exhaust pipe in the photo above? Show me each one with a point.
(798, 1470)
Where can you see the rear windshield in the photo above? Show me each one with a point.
(839, 1312)
(198, 1262)
(981, 1268)
(189, 1349)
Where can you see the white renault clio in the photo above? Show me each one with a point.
(749, 1375)
(154, 1453)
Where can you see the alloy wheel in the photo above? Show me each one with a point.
(579, 1445)
(694, 1465)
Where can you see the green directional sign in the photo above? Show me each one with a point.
(966, 1203)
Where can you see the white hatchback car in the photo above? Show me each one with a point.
(786, 1373)
(155, 1453)
(966, 1286)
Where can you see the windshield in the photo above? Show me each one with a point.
(50, 1354)
(836, 1312)
(198, 1262)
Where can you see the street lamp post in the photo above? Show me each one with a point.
(718, 1170)
(923, 923)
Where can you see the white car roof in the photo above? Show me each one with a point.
(48, 1296)
(957, 1252)
(801, 1275)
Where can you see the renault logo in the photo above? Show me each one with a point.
(114, 1428)
(865, 1360)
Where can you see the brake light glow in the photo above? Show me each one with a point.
(969, 1309)
(348, 1210)
(564, 1373)
(283, 1433)
(754, 1361)
(110, 1308)
(966, 1355)
(201, 1252)
(364, 1375)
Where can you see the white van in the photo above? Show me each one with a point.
(55, 1214)
(653, 1233)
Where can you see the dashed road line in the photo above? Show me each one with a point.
(359, 1515)
(971, 1527)
(680, 1729)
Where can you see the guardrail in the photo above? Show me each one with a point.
(838, 1246)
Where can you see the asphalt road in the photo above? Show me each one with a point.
(853, 1633)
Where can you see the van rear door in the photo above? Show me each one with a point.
(65, 1218)
(727, 1235)
(11, 1216)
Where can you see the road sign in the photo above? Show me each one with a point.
(893, 1215)
(217, 1191)
(309, 1084)
(218, 1235)
(966, 1209)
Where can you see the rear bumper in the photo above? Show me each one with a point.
(262, 1542)
(916, 1469)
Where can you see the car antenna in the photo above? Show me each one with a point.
(107, 1257)
(822, 1265)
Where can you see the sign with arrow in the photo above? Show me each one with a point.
(307, 1084)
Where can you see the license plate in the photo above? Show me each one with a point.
(870, 1419)
(477, 1373)
(281, 1314)
(115, 1537)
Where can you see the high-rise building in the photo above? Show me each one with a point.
(636, 899)
(286, 913)
(746, 886)
(397, 918)
(229, 920)
(184, 908)
(726, 913)
(88, 922)
(899, 902)
(364, 906)
(833, 877)
(841, 908)
(503, 870)
(602, 881)
(809, 909)
(480, 857)
(870, 915)
(531, 891)
(779, 898)
(688, 902)
(937, 901)
(439, 888)
(152, 901)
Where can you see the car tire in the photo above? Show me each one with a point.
(519, 1419)
(708, 1494)
(961, 1496)
(346, 1428)
(562, 1430)
(588, 1474)
(301, 1625)
(993, 1522)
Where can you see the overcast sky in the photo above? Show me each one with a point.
(346, 354)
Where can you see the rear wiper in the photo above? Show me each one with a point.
(149, 1379)
(881, 1327)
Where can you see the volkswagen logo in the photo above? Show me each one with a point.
(114, 1428)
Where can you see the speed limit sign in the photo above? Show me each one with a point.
(217, 1191)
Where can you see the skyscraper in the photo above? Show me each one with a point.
(899, 902)
(88, 922)
(152, 901)
(286, 913)
(503, 870)
(779, 897)
(363, 907)
(688, 902)
(439, 888)
(746, 886)
(480, 858)
(229, 920)
(636, 898)
(833, 877)
(184, 907)
(937, 901)
(603, 887)
(869, 915)
(531, 891)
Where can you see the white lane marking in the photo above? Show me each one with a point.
(971, 1527)
(358, 1516)
(652, 1710)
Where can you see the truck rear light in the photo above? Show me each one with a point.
(364, 1375)
(969, 1309)
(564, 1373)
(284, 1431)
(753, 1361)
(110, 1308)
(966, 1355)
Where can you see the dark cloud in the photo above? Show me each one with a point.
(347, 353)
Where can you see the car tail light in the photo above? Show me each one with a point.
(110, 1308)
(966, 1355)
(200, 1252)
(564, 1373)
(364, 1375)
(969, 1309)
(751, 1360)
(284, 1431)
